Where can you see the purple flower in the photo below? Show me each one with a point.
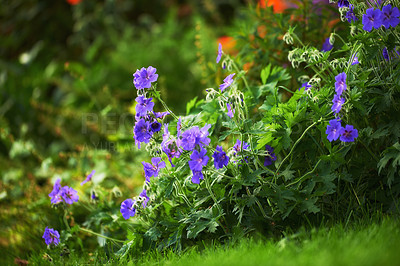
(154, 168)
(160, 115)
(197, 175)
(390, 16)
(348, 133)
(350, 14)
(88, 178)
(231, 111)
(372, 19)
(343, 3)
(337, 101)
(219, 53)
(127, 208)
(51, 236)
(354, 60)
(227, 82)
(146, 199)
(55, 194)
(143, 105)
(144, 77)
(238, 146)
(220, 158)
(69, 195)
(198, 160)
(142, 131)
(171, 147)
(385, 54)
(155, 126)
(270, 157)
(195, 136)
(333, 130)
(326, 46)
(340, 84)
(306, 86)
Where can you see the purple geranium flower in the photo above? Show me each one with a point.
(198, 160)
(350, 14)
(171, 147)
(343, 3)
(390, 16)
(231, 111)
(220, 158)
(333, 130)
(88, 178)
(142, 131)
(153, 169)
(219, 53)
(144, 77)
(238, 146)
(197, 175)
(348, 133)
(372, 19)
(146, 199)
(55, 194)
(340, 84)
(326, 46)
(385, 54)
(270, 157)
(306, 86)
(155, 126)
(51, 236)
(143, 105)
(69, 195)
(337, 101)
(127, 208)
(195, 136)
(354, 60)
(227, 82)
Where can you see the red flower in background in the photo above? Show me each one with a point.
(278, 5)
(73, 2)
(228, 44)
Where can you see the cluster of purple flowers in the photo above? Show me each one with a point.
(51, 236)
(340, 87)
(335, 130)
(350, 14)
(375, 18)
(144, 77)
(69, 195)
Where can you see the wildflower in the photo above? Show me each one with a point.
(142, 131)
(51, 236)
(270, 157)
(333, 130)
(326, 46)
(160, 115)
(220, 158)
(143, 105)
(145, 198)
(153, 169)
(197, 175)
(195, 136)
(390, 16)
(144, 77)
(231, 111)
(171, 147)
(385, 54)
(340, 84)
(337, 101)
(306, 86)
(73, 2)
(348, 133)
(238, 146)
(350, 14)
(69, 195)
(155, 126)
(198, 160)
(372, 19)
(343, 3)
(55, 193)
(127, 208)
(354, 60)
(227, 82)
(219, 52)
(88, 178)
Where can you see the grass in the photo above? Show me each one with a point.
(358, 244)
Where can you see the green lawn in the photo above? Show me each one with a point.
(358, 244)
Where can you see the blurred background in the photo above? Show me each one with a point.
(67, 97)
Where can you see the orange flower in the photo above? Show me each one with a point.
(228, 44)
(278, 5)
(73, 2)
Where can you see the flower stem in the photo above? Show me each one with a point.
(100, 235)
